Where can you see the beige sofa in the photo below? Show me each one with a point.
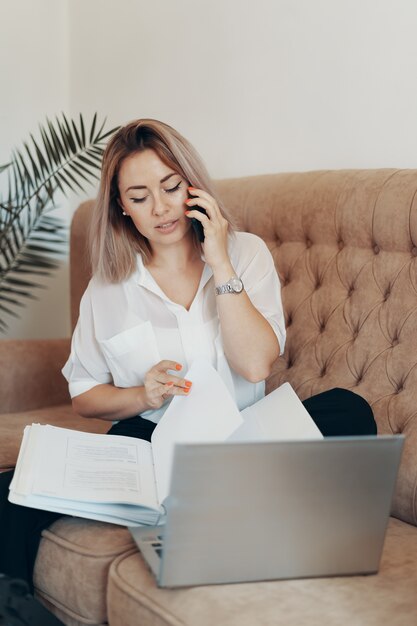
(345, 246)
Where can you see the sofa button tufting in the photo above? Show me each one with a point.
(414, 250)
(376, 249)
(350, 292)
(308, 243)
(340, 244)
(395, 341)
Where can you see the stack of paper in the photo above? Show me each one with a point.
(124, 480)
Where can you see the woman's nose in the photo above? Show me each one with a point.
(160, 207)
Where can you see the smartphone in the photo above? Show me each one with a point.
(198, 227)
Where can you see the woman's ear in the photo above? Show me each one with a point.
(121, 206)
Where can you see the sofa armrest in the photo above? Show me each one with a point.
(31, 373)
(405, 497)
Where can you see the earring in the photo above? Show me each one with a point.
(124, 213)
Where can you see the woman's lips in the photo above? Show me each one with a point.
(167, 227)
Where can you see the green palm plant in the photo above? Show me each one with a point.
(64, 157)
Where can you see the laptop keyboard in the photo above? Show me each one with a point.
(158, 547)
(157, 543)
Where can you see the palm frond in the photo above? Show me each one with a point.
(32, 249)
(64, 157)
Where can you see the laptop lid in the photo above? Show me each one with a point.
(257, 511)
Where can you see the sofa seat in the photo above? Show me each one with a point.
(12, 426)
(387, 598)
(77, 591)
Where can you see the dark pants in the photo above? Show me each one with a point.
(337, 412)
(341, 413)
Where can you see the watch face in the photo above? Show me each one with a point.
(236, 285)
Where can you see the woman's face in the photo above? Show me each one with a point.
(154, 196)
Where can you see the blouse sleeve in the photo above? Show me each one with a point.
(86, 366)
(255, 266)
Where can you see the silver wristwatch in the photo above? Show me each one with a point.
(233, 285)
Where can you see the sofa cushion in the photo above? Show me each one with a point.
(12, 426)
(72, 566)
(387, 598)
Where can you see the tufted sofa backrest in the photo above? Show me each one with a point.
(345, 248)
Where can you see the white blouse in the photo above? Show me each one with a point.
(124, 329)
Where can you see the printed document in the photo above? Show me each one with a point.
(124, 480)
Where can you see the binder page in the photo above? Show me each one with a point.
(279, 416)
(23, 479)
(114, 513)
(80, 466)
(208, 414)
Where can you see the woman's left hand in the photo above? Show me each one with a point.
(214, 224)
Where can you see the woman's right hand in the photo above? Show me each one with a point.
(159, 384)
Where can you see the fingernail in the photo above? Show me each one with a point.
(187, 212)
(169, 384)
(178, 367)
(191, 188)
(188, 383)
(187, 390)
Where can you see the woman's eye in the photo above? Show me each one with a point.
(173, 188)
(140, 200)
(136, 200)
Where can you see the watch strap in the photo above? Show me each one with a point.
(228, 287)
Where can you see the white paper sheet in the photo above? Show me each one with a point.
(279, 416)
(208, 414)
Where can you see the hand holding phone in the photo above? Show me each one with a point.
(198, 226)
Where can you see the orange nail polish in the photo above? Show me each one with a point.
(187, 389)
(178, 367)
(188, 383)
(191, 188)
(170, 384)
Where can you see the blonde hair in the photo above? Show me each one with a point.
(114, 239)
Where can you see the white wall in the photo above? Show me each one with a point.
(257, 85)
(34, 57)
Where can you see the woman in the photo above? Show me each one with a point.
(160, 297)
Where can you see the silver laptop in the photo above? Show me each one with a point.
(258, 511)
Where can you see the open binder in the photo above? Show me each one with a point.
(125, 481)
